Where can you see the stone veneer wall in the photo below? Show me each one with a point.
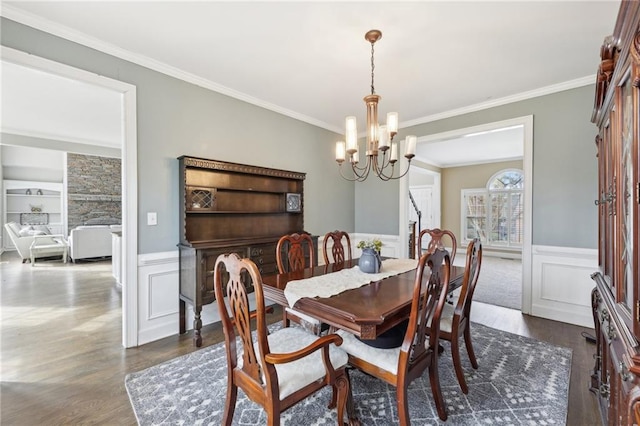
(94, 190)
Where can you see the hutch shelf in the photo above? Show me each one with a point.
(227, 207)
(616, 308)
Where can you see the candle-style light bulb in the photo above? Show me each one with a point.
(394, 152)
(392, 123)
(411, 146)
(383, 144)
(340, 151)
(351, 134)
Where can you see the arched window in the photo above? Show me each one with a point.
(495, 213)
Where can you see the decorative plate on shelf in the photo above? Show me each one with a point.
(294, 202)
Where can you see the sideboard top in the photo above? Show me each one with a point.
(239, 168)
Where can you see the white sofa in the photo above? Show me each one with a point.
(24, 238)
(91, 241)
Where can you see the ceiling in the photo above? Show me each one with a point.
(310, 61)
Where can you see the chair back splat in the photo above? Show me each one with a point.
(293, 253)
(438, 239)
(280, 369)
(337, 248)
(419, 350)
(297, 249)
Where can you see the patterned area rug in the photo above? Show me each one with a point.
(519, 381)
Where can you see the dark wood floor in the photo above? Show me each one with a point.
(63, 362)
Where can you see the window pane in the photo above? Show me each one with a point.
(475, 212)
(499, 223)
(517, 218)
(513, 179)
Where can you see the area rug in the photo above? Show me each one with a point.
(519, 381)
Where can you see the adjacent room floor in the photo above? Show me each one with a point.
(63, 361)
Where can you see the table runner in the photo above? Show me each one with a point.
(346, 279)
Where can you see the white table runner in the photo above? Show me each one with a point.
(346, 279)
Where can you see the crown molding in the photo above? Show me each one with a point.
(39, 23)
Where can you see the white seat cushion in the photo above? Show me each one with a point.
(386, 359)
(297, 374)
(446, 318)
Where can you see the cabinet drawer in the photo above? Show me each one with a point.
(264, 256)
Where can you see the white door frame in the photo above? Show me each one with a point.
(527, 162)
(129, 176)
(436, 213)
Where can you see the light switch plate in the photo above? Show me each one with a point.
(152, 218)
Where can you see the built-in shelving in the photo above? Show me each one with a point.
(32, 203)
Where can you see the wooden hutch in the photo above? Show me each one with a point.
(228, 207)
(615, 299)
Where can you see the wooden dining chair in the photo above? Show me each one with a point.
(438, 239)
(455, 320)
(337, 248)
(295, 252)
(278, 369)
(419, 351)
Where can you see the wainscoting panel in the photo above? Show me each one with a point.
(158, 279)
(158, 295)
(561, 284)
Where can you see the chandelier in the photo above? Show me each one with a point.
(382, 151)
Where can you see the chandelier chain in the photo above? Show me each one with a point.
(373, 90)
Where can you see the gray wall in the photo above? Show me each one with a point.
(176, 118)
(564, 168)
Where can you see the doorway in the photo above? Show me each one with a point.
(424, 187)
(526, 123)
(127, 117)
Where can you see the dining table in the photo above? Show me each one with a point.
(367, 310)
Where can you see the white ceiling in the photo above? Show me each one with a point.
(309, 60)
(44, 105)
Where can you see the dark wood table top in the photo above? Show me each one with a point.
(365, 311)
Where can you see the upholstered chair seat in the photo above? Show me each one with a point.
(295, 375)
(386, 359)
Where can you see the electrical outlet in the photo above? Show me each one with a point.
(152, 218)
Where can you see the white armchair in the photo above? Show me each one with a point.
(36, 244)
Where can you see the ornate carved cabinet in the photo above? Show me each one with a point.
(228, 207)
(615, 299)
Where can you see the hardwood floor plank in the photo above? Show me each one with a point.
(63, 362)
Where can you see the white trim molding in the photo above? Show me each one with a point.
(561, 284)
